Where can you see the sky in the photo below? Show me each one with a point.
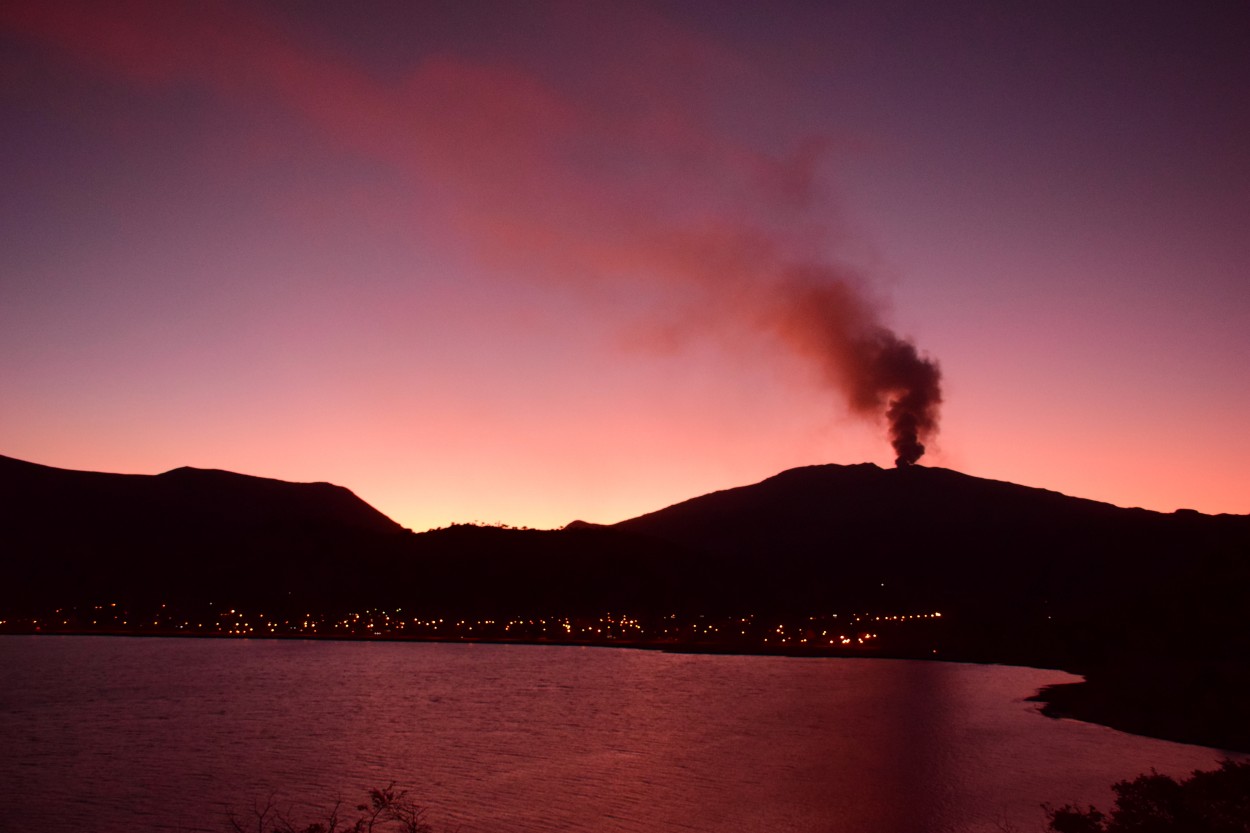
(525, 263)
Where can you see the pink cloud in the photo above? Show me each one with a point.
(623, 175)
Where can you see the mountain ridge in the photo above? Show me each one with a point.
(26, 483)
(1021, 574)
(821, 537)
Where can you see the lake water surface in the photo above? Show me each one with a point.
(113, 734)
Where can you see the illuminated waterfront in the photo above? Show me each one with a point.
(850, 631)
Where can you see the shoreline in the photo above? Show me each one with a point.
(1128, 705)
(667, 646)
(1152, 711)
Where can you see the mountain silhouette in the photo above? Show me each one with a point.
(186, 496)
(76, 536)
(1032, 573)
(1150, 605)
(833, 535)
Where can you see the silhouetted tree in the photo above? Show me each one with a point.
(1213, 801)
(388, 811)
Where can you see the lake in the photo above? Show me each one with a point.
(112, 734)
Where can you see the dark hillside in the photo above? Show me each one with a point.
(49, 498)
(1151, 605)
(190, 536)
(1054, 574)
(1026, 574)
(71, 536)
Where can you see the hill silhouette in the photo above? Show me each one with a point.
(1035, 575)
(191, 536)
(75, 536)
(184, 496)
(1051, 571)
(1150, 605)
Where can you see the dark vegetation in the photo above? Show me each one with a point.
(1209, 801)
(1215, 801)
(388, 810)
(1150, 606)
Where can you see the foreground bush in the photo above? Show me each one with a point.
(388, 811)
(1216, 801)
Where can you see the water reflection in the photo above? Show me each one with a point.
(124, 734)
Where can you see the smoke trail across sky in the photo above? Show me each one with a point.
(554, 259)
(604, 181)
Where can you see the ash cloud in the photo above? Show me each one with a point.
(581, 165)
(824, 316)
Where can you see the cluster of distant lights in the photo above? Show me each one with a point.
(832, 630)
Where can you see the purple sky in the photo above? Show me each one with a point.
(531, 262)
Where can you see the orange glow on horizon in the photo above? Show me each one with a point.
(542, 276)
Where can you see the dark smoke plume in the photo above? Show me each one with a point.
(610, 169)
(826, 318)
